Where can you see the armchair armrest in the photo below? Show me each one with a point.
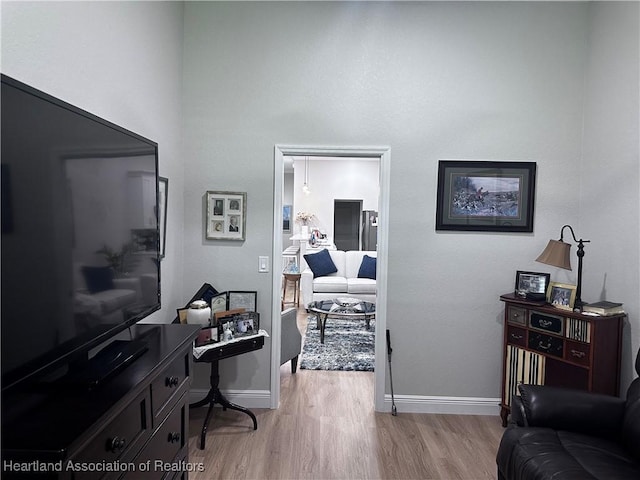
(306, 286)
(568, 409)
(291, 338)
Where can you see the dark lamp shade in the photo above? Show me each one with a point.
(556, 254)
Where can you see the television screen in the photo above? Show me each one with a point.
(80, 243)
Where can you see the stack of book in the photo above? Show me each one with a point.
(603, 308)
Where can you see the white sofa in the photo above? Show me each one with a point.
(343, 283)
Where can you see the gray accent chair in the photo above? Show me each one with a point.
(290, 338)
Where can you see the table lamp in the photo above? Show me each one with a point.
(557, 254)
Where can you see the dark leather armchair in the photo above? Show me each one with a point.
(569, 434)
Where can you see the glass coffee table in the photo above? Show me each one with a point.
(342, 308)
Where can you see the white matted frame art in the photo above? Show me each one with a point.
(226, 215)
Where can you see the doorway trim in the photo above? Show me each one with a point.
(383, 153)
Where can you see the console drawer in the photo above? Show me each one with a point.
(579, 353)
(546, 344)
(165, 445)
(168, 383)
(516, 336)
(516, 315)
(546, 322)
(119, 441)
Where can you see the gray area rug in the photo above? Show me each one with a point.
(348, 345)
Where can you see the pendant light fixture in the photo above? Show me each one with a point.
(305, 188)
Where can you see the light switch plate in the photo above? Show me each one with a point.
(263, 264)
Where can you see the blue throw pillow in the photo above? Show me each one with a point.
(98, 279)
(367, 268)
(320, 263)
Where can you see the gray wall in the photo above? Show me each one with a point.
(609, 197)
(121, 61)
(504, 81)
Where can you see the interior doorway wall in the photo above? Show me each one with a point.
(346, 224)
(383, 154)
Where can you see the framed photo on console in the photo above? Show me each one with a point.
(561, 295)
(226, 215)
(532, 285)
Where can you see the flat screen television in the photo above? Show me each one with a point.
(80, 233)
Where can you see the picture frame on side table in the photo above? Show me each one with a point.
(247, 300)
(532, 285)
(207, 336)
(485, 196)
(226, 215)
(561, 295)
(182, 314)
(247, 323)
(219, 302)
(163, 195)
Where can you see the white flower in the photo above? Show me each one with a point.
(304, 217)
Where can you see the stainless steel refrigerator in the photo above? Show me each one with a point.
(369, 230)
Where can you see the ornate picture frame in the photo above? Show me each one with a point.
(485, 196)
(226, 215)
(561, 295)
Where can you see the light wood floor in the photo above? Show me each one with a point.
(326, 428)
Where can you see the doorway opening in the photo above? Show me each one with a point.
(383, 156)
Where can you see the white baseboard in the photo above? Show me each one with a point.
(445, 405)
(404, 403)
(246, 398)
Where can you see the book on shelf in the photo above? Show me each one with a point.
(603, 308)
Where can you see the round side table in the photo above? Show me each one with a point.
(293, 278)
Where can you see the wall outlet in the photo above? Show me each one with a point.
(263, 264)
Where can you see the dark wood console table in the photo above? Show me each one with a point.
(135, 419)
(213, 355)
(545, 345)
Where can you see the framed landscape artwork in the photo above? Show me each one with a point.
(487, 196)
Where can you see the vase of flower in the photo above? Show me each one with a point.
(304, 219)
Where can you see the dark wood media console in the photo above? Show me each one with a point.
(134, 425)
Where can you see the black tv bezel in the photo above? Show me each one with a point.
(75, 348)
